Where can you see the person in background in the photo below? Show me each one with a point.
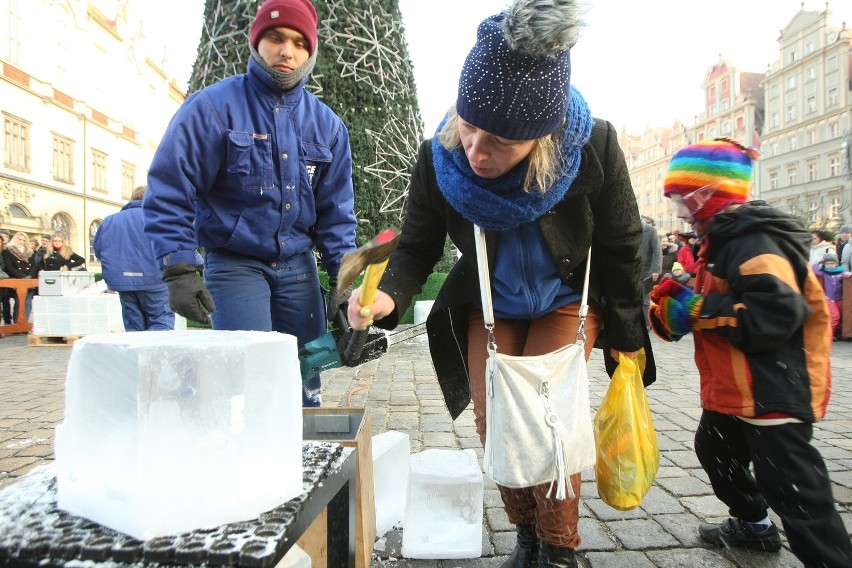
(678, 274)
(44, 250)
(130, 268)
(270, 180)
(843, 251)
(652, 258)
(831, 276)
(760, 323)
(520, 155)
(63, 258)
(820, 246)
(6, 294)
(686, 253)
(18, 262)
(668, 250)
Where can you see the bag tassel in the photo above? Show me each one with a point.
(561, 480)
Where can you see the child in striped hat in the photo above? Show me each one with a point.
(762, 345)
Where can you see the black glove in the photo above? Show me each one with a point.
(186, 290)
(335, 300)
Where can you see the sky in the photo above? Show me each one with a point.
(637, 63)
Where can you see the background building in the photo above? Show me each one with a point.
(798, 114)
(83, 106)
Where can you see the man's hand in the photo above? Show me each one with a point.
(675, 309)
(335, 300)
(186, 291)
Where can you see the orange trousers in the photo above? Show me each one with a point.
(555, 520)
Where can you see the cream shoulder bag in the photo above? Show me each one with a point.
(538, 416)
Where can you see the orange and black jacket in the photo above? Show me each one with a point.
(763, 341)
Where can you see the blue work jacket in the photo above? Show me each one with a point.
(127, 259)
(249, 168)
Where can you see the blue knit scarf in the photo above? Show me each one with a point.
(502, 204)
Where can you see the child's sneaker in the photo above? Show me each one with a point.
(737, 533)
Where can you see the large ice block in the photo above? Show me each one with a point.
(172, 431)
(391, 457)
(443, 511)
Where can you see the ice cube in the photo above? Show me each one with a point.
(171, 431)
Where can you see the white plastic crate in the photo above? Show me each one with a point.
(67, 283)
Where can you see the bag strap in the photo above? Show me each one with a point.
(485, 289)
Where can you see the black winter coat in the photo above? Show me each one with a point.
(598, 210)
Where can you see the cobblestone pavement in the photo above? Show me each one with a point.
(401, 393)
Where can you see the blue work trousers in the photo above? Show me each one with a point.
(146, 310)
(283, 296)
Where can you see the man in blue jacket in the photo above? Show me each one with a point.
(130, 268)
(258, 172)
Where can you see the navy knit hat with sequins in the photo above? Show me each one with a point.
(515, 81)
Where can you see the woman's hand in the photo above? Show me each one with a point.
(362, 317)
(629, 354)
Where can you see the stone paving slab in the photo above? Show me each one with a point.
(401, 393)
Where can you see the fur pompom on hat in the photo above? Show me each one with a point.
(722, 163)
(515, 81)
(299, 15)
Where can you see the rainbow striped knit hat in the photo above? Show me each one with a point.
(721, 162)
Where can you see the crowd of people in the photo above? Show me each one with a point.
(679, 254)
(22, 256)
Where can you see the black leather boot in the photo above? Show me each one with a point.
(552, 556)
(525, 554)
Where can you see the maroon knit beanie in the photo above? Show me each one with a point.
(298, 15)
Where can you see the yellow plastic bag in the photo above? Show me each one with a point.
(627, 452)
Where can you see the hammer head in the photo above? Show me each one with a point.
(374, 252)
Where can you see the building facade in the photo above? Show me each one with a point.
(804, 166)
(798, 114)
(83, 109)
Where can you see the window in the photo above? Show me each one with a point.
(792, 176)
(831, 99)
(793, 56)
(834, 207)
(812, 136)
(791, 112)
(812, 212)
(63, 159)
(93, 230)
(775, 121)
(833, 129)
(834, 166)
(809, 47)
(61, 224)
(16, 143)
(660, 173)
(128, 179)
(791, 143)
(99, 171)
(773, 180)
(648, 197)
(810, 73)
(810, 104)
(791, 83)
(773, 149)
(726, 128)
(812, 171)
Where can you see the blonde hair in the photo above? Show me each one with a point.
(26, 252)
(544, 160)
(65, 251)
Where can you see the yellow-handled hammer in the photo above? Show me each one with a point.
(371, 257)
